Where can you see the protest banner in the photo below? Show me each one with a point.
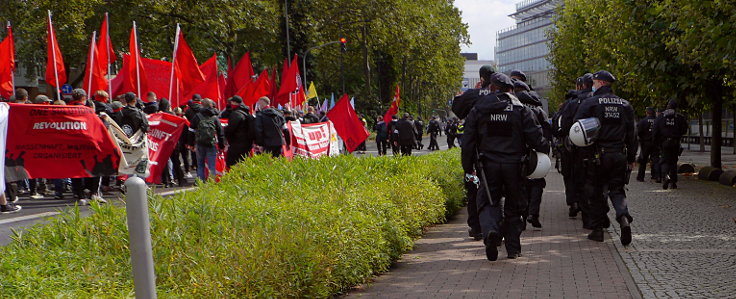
(4, 109)
(163, 135)
(47, 141)
(313, 140)
(134, 160)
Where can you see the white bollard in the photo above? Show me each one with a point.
(139, 229)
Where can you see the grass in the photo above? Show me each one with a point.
(271, 228)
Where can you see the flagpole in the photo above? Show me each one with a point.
(91, 63)
(137, 61)
(53, 51)
(173, 61)
(107, 49)
(12, 70)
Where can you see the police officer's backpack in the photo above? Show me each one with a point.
(206, 132)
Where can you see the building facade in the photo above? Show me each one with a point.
(524, 46)
(471, 76)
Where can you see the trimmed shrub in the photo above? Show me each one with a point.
(270, 228)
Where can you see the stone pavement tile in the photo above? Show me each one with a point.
(558, 262)
(684, 240)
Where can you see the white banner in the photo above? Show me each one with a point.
(314, 140)
(4, 109)
(134, 148)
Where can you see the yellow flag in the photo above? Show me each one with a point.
(312, 91)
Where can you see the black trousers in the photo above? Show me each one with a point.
(645, 155)
(433, 142)
(176, 161)
(236, 153)
(471, 192)
(406, 150)
(275, 151)
(670, 153)
(606, 176)
(503, 180)
(450, 141)
(573, 177)
(534, 189)
(382, 145)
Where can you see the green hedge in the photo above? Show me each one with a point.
(307, 228)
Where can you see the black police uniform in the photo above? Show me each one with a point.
(451, 132)
(606, 161)
(534, 188)
(646, 144)
(433, 129)
(668, 129)
(501, 129)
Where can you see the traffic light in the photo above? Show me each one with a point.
(343, 44)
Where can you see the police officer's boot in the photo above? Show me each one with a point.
(596, 235)
(625, 230)
(491, 250)
(665, 182)
(534, 220)
(475, 234)
(574, 209)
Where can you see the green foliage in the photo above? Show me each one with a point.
(414, 43)
(271, 228)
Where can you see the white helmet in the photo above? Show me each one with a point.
(585, 131)
(538, 165)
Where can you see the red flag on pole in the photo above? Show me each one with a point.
(94, 77)
(105, 52)
(137, 79)
(261, 88)
(347, 124)
(394, 106)
(241, 75)
(289, 84)
(274, 77)
(186, 68)
(7, 65)
(210, 87)
(55, 71)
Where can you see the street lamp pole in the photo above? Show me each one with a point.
(304, 58)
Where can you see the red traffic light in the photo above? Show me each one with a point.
(343, 40)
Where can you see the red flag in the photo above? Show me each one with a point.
(186, 68)
(55, 71)
(261, 88)
(347, 123)
(95, 70)
(240, 76)
(290, 83)
(7, 64)
(104, 44)
(210, 87)
(158, 74)
(394, 106)
(222, 83)
(137, 80)
(164, 132)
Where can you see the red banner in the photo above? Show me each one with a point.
(163, 134)
(54, 142)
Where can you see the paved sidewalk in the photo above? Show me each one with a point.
(557, 262)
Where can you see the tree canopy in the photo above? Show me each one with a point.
(412, 43)
(659, 50)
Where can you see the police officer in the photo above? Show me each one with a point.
(572, 165)
(433, 129)
(614, 153)
(499, 129)
(533, 188)
(644, 132)
(668, 129)
(461, 106)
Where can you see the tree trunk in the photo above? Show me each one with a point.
(700, 132)
(733, 142)
(366, 64)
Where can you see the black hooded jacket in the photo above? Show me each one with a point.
(617, 121)
(240, 128)
(133, 120)
(269, 125)
(502, 130)
(462, 104)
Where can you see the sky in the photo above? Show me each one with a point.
(484, 19)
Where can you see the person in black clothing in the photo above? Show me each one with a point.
(668, 129)
(644, 132)
(381, 136)
(433, 129)
(269, 126)
(117, 111)
(573, 173)
(310, 117)
(534, 188)
(393, 135)
(613, 155)
(419, 125)
(451, 132)
(101, 103)
(132, 118)
(179, 156)
(239, 132)
(208, 139)
(499, 129)
(407, 134)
